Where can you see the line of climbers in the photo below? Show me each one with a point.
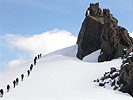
(16, 81)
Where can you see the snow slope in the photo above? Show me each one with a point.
(93, 57)
(60, 75)
(131, 34)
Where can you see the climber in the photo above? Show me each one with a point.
(1, 93)
(14, 83)
(28, 72)
(22, 77)
(31, 67)
(8, 88)
(17, 80)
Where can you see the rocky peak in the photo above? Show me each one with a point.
(114, 38)
(89, 38)
(100, 30)
(108, 17)
(94, 10)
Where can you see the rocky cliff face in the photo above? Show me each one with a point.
(114, 38)
(89, 38)
(100, 30)
(126, 74)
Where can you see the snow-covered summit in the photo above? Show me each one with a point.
(60, 75)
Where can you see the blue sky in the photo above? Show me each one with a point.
(29, 17)
(36, 16)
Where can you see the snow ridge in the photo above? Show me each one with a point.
(60, 75)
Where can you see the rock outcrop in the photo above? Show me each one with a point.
(114, 38)
(100, 30)
(89, 38)
(126, 75)
(120, 79)
(109, 78)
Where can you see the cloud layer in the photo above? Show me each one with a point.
(15, 62)
(40, 43)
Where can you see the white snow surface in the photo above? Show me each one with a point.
(93, 57)
(60, 75)
(131, 34)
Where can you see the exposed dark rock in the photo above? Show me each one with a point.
(89, 38)
(100, 30)
(114, 39)
(113, 83)
(115, 88)
(126, 75)
(102, 84)
(113, 69)
(95, 81)
(110, 78)
(114, 76)
(106, 76)
(120, 79)
(94, 10)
